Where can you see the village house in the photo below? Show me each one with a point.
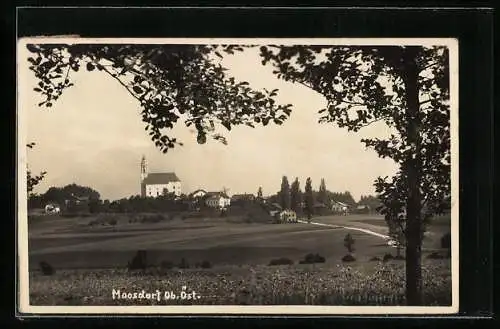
(274, 209)
(218, 200)
(158, 184)
(242, 197)
(76, 203)
(339, 207)
(198, 194)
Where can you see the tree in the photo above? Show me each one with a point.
(349, 243)
(308, 198)
(344, 197)
(284, 194)
(373, 202)
(31, 180)
(61, 194)
(405, 87)
(259, 193)
(322, 194)
(169, 82)
(296, 196)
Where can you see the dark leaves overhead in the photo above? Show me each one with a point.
(365, 84)
(171, 82)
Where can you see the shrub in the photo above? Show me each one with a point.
(312, 258)
(399, 257)
(349, 243)
(281, 261)
(446, 241)
(348, 258)
(206, 264)
(435, 255)
(375, 259)
(139, 262)
(183, 263)
(46, 268)
(167, 265)
(113, 221)
(387, 257)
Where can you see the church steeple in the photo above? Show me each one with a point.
(144, 173)
(144, 168)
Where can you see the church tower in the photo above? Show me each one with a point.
(144, 173)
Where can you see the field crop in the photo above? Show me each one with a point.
(374, 283)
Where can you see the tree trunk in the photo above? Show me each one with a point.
(412, 169)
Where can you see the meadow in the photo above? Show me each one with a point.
(90, 256)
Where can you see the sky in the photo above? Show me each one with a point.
(94, 136)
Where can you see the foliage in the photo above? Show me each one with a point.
(31, 180)
(377, 284)
(407, 88)
(60, 194)
(349, 243)
(296, 196)
(437, 255)
(387, 257)
(373, 202)
(138, 204)
(206, 264)
(183, 264)
(170, 82)
(46, 268)
(348, 258)
(308, 198)
(446, 241)
(139, 262)
(167, 265)
(322, 195)
(284, 193)
(312, 259)
(280, 261)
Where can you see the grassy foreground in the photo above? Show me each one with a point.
(370, 283)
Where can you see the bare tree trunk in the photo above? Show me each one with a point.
(412, 169)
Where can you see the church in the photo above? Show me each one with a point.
(157, 184)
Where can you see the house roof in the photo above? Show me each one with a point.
(276, 206)
(80, 198)
(200, 190)
(216, 194)
(340, 203)
(160, 178)
(242, 196)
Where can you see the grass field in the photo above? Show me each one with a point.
(236, 249)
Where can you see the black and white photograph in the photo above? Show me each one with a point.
(274, 176)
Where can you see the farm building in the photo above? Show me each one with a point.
(274, 208)
(242, 197)
(339, 207)
(52, 208)
(198, 194)
(217, 200)
(76, 203)
(286, 216)
(157, 184)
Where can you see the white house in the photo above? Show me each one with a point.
(338, 206)
(52, 208)
(217, 200)
(157, 184)
(198, 194)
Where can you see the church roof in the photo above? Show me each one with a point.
(160, 178)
